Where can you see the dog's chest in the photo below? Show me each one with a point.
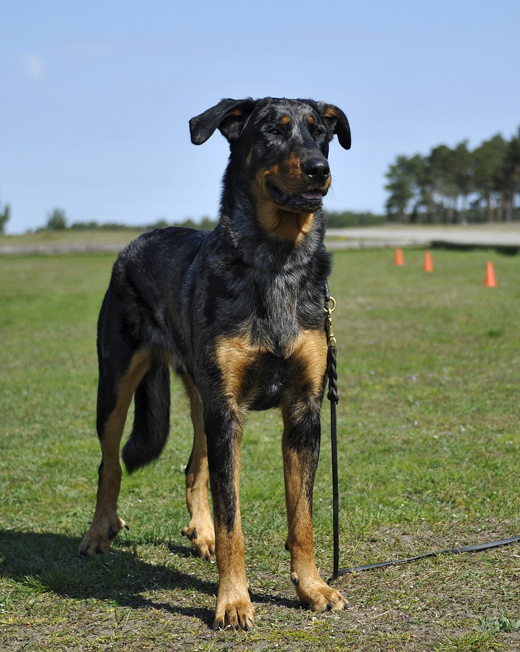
(266, 381)
(276, 335)
(253, 375)
(274, 324)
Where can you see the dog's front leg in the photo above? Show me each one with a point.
(223, 434)
(301, 443)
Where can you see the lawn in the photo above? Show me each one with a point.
(428, 451)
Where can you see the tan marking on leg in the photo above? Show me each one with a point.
(311, 352)
(302, 399)
(234, 608)
(308, 584)
(310, 361)
(200, 529)
(106, 524)
(234, 355)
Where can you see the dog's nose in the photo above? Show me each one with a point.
(317, 169)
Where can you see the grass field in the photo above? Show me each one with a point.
(429, 458)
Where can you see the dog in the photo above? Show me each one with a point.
(238, 312)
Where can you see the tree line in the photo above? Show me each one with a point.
(57, 221)
(457, 184)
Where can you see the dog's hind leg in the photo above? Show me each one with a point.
(115, 392)
(200, 530)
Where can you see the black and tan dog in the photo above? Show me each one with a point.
(239, 314)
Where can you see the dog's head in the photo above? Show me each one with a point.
(280, 148)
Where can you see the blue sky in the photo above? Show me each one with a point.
(95, 97)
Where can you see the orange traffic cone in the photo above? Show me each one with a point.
(398, 260)
(489, 278)
(428, 263)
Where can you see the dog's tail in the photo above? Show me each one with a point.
(151, 420)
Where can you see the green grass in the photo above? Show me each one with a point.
(428, 450)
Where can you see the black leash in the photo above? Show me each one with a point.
(449, 551)
(333, 397)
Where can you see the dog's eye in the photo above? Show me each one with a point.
(318, 131)
(275, 132)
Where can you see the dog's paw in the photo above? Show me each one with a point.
(238, 614)
(202, 539)
(317, 594)
(100, 535)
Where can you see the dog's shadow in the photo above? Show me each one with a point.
(48, 562)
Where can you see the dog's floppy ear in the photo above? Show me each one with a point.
(336, 122)
(228, 115)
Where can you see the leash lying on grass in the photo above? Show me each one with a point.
(333, 397)
(449, 551)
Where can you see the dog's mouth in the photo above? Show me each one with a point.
(309, 200)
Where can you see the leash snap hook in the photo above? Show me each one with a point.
(329, 310)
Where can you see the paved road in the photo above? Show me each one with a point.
(502, 235)
(49, 249)
(499, 235)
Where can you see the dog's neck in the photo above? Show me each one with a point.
(285, 225)
(288, 274)
(264, 233)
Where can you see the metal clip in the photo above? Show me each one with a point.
(329, 310)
